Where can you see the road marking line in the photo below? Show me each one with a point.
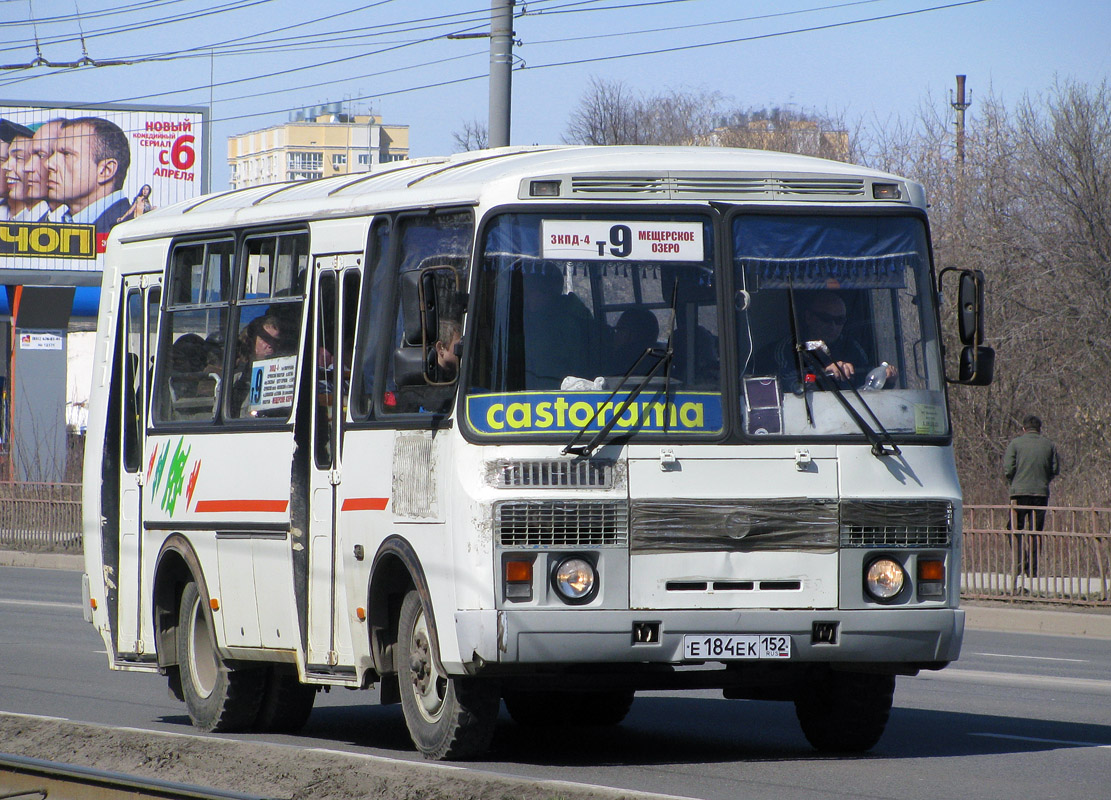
(39, 603)
(1034, 658)
(1042, 741)
(1081, 685)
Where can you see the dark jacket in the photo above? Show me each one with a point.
(1030, 463)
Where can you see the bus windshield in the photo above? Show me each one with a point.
(830, 305)
(833, 317)
(568, 305)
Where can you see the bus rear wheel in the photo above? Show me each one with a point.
(844, 712)
(448, 717)
(217, 696)
(568, 709)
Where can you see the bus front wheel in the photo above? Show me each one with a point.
(844, 712)
(448, 717)
(217, 696)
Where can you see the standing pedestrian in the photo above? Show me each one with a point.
(1030, 463)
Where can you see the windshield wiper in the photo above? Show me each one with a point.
(882, 443)
(663, 357)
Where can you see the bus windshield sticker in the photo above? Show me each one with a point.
(272, 382)
(568, 412)
(607, 240)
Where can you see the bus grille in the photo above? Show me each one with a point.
(909, 523)
(542, 523)
(555, 474)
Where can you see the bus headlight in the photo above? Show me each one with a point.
(575, 580)
(884, 578)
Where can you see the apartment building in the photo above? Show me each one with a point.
(317, 143)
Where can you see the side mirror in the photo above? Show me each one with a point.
(977, 362)
(970, 315)
(977, 366)
(429, 295)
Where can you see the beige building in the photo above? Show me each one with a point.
(323, 142)
(803, 136)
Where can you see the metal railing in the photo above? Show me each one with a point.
(1067, 562)
(40, 516)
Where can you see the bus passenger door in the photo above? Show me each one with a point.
(142, 295)
(336, 301)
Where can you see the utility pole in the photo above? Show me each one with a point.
(960, 105)
(501, 70)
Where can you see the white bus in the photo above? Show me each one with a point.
(545, 426)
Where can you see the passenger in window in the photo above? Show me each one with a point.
(822, 318)
(260, 340)
(188, 354)
(557, 328)
(637, 329)
(444, 355)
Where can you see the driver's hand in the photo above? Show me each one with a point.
(842, 370)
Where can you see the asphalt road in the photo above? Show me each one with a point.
(1020, 715)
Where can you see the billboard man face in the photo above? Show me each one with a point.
(15, 170)
(3, 170)
(74, 175)
(42, 148)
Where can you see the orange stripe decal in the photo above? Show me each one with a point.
(232, 506)
(364, 504)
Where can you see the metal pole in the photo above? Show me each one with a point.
(501, 64)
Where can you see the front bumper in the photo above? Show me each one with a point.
(566, 636)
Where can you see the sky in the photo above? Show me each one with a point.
(254, 62)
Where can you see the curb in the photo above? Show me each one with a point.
(72, 562)
(1037, 620)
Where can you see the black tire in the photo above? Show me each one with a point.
(568, 709)
(844, 712)
(448, 717)
(217, 696)
(286, 702)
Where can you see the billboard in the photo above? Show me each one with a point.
(70, 173)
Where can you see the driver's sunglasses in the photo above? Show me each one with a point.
(828, 319)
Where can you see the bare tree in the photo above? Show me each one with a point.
(473, 136)
(608, 113)
(612, 113)
(1031, 207)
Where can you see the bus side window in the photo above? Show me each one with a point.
(270, 305)
(436, 246)
(133, 382)
(192, 338)
(376, 290)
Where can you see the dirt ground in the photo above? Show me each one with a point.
(269, 770)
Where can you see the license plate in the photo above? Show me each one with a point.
(731, 647)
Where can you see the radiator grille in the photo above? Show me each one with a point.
(912, 523)
(555, 474)
(542, 523)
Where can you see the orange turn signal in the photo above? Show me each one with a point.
(518, 572)
(214, 604)
(931, 570)
(361, 614)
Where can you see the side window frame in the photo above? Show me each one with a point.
(285, 340)
(435, 401)
(218, 254)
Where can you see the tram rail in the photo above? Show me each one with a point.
(23, 778)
